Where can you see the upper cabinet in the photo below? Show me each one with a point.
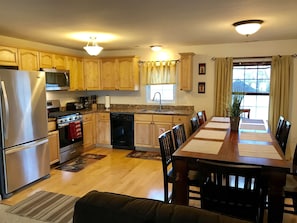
(92, 68)
(186, 71)
(120, 73)
(28, 59)
(50, 60)
(75, 67)
(8, 56)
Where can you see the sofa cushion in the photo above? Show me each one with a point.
(104, 207)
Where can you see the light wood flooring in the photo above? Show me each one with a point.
(114, 173)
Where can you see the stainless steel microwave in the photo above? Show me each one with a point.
(56, 80)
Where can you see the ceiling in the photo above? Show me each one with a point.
(139, 24)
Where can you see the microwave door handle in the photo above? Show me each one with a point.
(66, 77)
(6, 106)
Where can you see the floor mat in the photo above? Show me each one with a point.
(145, 155)
(46, 206)
(80, 162)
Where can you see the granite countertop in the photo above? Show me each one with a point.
(167, 110)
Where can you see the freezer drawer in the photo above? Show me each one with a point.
(25, 164)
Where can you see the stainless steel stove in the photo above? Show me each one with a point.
(69, 124)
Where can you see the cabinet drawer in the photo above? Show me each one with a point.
(87, 117)
(162, 118)
(143, 117)
(51, 126)
(103, 116)
(180, 119)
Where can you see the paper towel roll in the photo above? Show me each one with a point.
(107, 102)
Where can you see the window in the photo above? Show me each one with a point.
(253, 78)
(167, 92)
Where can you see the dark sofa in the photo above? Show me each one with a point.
(104, 207)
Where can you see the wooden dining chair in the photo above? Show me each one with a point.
(283, 135)
(179, 137)
(201, 115)
(167, 149)
(290, 188)
(279, 126)
(232, 189)
(245, 112)
(194, 124)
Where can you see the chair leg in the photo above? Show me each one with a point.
(295, 204)
(166, 193)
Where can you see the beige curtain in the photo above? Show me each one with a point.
(281, 68)
(160, 72)
(223, 84)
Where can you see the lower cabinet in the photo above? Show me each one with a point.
(148, 127)
(54, 146)
(89, 133)
(103, 128)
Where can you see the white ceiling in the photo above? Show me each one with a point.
(171, 23)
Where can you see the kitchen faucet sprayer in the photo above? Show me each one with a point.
(160, 101)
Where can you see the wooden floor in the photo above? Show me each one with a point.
(114, 173)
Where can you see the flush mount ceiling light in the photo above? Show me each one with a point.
(248, 27)
(92, 47)
(156, 48)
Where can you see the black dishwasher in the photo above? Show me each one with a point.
(122, 130)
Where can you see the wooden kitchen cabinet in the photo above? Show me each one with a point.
(28, 59)
(161, 123)
(143, 130)
(103, 128)
(88, 131)
(120, 73)
(50, 60)
(54, 146)
(92, 68)
(75, 67)
(185, 119)
(186, 72)
(148, 127)
(8, 56)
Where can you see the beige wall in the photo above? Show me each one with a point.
(204, 54)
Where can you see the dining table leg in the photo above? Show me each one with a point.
(276, 181)
(181, 191)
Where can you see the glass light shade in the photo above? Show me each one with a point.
(93, 50)
(248, 27)
(156, 48)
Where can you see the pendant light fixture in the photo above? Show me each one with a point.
(156, 48)
(248, 27)
(92, 47)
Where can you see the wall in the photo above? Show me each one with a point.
(204, 54)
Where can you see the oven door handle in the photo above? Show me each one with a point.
(62, 125)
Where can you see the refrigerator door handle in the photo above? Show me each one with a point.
(28, 145)
(6, 106)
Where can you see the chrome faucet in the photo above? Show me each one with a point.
(160, 101)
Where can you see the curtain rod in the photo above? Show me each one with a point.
(259, 57)
(142, 61)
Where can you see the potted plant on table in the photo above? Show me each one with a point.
(235, 111)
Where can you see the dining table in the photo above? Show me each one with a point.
(252, 144)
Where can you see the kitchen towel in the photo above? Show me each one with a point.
(74, 130)
(107, 102)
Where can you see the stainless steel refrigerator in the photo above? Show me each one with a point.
(23, 125)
